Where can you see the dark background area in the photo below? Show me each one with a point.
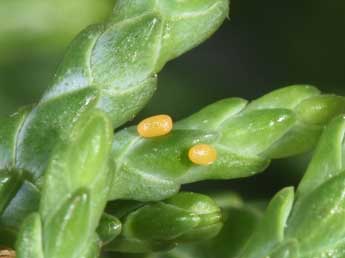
(265, 45)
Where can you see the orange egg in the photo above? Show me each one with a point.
(202, 154)
(155, 126)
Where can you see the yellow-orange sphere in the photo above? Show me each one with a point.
(155, 126)
(202, 154)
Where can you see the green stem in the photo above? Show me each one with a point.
(246, 136)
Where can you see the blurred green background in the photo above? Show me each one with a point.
(265, 45)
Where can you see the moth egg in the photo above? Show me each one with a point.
(202, 154)
(155, 126)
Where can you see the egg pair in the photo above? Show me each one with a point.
(155, 126)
